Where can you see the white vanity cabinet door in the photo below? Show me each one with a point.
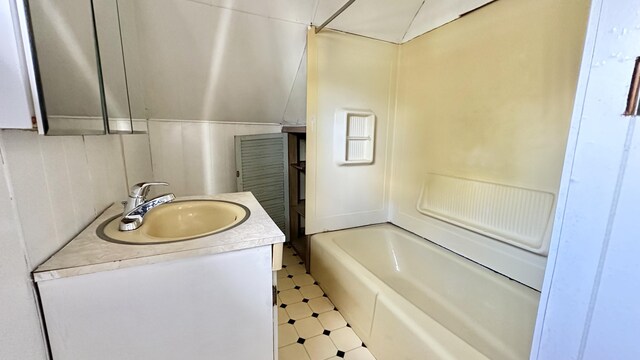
(208, 307)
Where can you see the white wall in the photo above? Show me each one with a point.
(137, 159)
(198, 157)
(296, 111)
(20, 328)
(204, 61)
(487, 101)
(50, 189)
(347, 71)
(214, 70)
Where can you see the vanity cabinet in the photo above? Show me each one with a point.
(217, 306)
(211, 297)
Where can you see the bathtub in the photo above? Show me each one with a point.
(408, 298)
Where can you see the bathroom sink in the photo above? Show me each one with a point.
(178, 221)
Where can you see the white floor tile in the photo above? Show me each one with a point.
(311, 291)
(290, 296)
(298, 311)
(296, 269)
(359, 354)
(293, 352)
(283, 317)
(289, 251)
(321, 305)
(286, 335)
(320, 347)
(282, 274)
(285, 284)
(345, 339)
(307, 316)
(331, 320)
(303, 280)
(308, 327)
(290, 259)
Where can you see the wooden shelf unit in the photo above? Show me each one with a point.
(297, 237)
(300, 209)
(301, 166)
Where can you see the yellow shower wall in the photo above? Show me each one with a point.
(347, 72)
(487, 97)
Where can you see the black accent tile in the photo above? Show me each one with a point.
(348, 325)
(300, 341)
(283, 305)
(305, 300)
(340, 354)
(297, 287)
(291, 321)
(315, 315)
(326, 332)
(290, 276)
(315, 282)
(363, 345)
(301, 263)
(284, 266)
(325, 295)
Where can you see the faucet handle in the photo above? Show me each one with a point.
(138, 193)
(140, 190)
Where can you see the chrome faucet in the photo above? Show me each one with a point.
(137, 205)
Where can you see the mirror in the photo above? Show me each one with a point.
(130, 48)
(116, 37)
(68, 77)
(84, 85)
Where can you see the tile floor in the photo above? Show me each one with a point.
(309, 326)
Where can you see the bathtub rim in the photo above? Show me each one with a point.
(386, 291)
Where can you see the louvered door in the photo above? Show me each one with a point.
(261, 167)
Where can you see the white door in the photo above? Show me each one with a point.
(590, 304)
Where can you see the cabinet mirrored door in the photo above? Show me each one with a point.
(80, 57)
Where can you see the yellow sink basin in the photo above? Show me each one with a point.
(178, 221)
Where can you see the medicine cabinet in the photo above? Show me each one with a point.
(85, 62)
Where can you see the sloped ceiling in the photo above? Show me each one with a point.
(435, 13)
(298, 11)
(243, 60)
(395, 21)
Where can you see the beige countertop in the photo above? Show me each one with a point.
(87, 253)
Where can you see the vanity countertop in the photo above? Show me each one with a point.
(87, 253)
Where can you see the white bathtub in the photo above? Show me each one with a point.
(408, 298)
